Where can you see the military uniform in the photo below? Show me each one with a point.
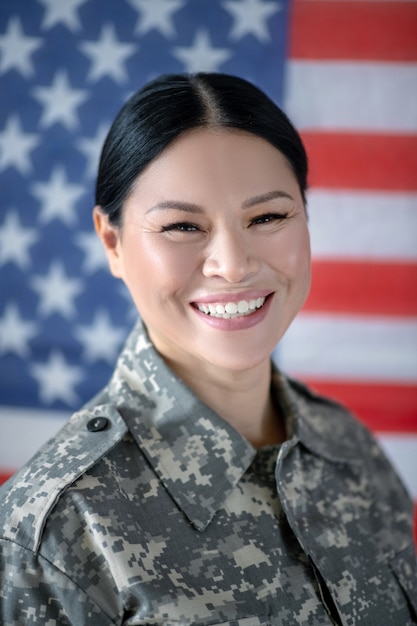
(148, 508)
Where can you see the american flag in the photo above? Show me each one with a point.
(346, 73)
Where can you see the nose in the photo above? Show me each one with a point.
(230, 257)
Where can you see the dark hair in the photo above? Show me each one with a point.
(174, 103)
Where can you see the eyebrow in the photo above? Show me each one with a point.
(176, 204)
(266, 197)
(189, 207)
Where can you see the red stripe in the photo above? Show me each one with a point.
(4, 476)
(385, 31)
(365, 288)
(362, 161)
(382, 407)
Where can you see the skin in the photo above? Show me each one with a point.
(219, 217)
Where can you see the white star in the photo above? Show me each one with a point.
(95, 257)
(91, 148)
(16, 48)
(57, 197)
(107, 55)
(15, 333)
(15, 241)
(60, 101)
(61, 12)
(56, 291)
(201, 56)
(250, 17)
(57, 379)
(157, 14)
(15, 146)
(101, 340)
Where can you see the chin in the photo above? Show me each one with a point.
(240, 361)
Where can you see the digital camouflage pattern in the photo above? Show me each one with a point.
(147, 508)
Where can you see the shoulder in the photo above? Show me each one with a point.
(30, 495)
(338, 435)
(324, 416)
(334, 423)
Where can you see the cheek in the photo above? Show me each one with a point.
(290, 254)
(157, 266)
(302, 252)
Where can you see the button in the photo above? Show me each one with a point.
(97, 424)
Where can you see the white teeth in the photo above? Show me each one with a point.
(242, 306)
(231, 309)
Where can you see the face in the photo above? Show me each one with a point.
(214, 249)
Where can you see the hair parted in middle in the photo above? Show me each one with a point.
(173, 104)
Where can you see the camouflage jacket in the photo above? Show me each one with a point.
(148, 508)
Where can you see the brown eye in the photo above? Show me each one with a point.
(182, 227)
(269, 217)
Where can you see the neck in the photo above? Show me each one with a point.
(242, 398)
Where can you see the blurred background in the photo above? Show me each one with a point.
(344, 71)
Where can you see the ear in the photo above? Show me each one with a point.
(110, 238)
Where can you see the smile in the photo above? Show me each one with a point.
(231, 310)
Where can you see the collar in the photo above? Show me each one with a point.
(324, 427)
(196, 454)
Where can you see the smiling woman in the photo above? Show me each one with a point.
(229, 227)
(202, 486)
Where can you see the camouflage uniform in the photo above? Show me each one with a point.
(147, 508)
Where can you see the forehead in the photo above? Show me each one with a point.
(206, 157)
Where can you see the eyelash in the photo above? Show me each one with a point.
(182, 227)
(185, 227)
(269, 217)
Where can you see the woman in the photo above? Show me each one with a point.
(202, 486)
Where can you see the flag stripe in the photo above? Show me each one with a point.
(382, 407)
(366, 288)
(390, 104)
(362, 161)
(350, 89)
(354, 30)
(353, 347)
(364, 225)
(38, 426)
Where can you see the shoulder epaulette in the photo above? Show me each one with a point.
(35, 489)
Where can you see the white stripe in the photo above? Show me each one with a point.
(402, 451)
(368, 225)
(341, 346)
(347, 95)
(23, 431)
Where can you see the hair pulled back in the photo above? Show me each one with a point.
(172, 104)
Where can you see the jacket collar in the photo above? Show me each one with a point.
(320, 424)
(197, 455)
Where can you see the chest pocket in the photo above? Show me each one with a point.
(404, 567)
